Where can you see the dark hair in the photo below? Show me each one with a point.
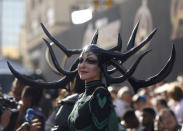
(162, 102)
(130, 119)
(35, 94)
(176, 92)
(130, 113)
(100, 56)
(150, 111)
(79, 85)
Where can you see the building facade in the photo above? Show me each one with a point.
(56, 16)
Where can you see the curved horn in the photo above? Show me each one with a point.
(111, 71)
(95, 38)
(165, 71)
(48, 85)
(124, 56)
(120, 79)
(135, 49)
(65, 50)
(55, 62)
(47, 54)
(131, 41)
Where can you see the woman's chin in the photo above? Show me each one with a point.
(82, 78)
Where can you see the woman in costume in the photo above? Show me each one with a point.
(94, 110)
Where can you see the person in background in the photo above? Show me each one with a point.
(5, 119)
(160, 103)
(35, 125)
(175, 94)
(30, 98)
(180, 78)
(46, 103)
(125, 94)
(119, 105)
(130, 121)
(16, 89)
(166, 121)
(139, 102)
(148, 117)
(158, 125)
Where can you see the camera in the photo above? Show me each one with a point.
(8, 102)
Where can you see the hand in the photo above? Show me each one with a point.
(35, 125)
(23, 127)
(5, 118)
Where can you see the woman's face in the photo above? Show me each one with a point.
(88, 68)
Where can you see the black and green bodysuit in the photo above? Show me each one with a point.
(94, 110)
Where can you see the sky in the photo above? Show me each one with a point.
(11, 21)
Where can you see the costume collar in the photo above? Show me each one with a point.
(91, 86)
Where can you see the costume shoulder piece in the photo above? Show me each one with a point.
(101, 97)
(101, 108)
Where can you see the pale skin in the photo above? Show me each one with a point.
(88, 68)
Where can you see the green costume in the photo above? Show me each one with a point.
(94, 110)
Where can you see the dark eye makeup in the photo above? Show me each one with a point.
(80, 60)
(88, 60)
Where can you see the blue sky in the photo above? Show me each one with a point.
(12, 21)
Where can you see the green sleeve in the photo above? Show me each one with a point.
(102, 109)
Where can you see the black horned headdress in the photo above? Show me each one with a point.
(110, 57)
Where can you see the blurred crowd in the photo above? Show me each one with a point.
(155, 108)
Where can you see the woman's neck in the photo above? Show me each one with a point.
(91, 80)
(92, 85)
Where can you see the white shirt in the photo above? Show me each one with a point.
(120, 107)
(177, 108)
